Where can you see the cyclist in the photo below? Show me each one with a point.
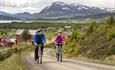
(59, 41)
(39, 39)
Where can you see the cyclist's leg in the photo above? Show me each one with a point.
(42, 47)
(61, 53)
(57, 52)
(36, 53)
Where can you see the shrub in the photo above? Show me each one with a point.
(111, 20)
(91, 28)
(111, 33)
(26, 35)
(3, 32)
(102, 27)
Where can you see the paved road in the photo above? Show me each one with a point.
(50, 63)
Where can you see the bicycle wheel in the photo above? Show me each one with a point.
(40, 55)
(40, 59)
(60, 57)
(57, 56)
(60, 54)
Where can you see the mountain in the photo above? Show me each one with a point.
(7, 16)
(60, 9)
(23, 16)
(3, 17)
(4, 13)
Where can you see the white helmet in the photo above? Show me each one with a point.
(39, 30)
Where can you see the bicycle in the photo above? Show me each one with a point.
(40, 53)
(59, 52)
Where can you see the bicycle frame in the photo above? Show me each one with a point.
(59, 53)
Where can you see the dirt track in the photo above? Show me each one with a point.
(50, 63)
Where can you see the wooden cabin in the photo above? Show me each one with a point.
(67, 35)
(7, 42)
(19, 38)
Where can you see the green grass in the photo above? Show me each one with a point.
(13, 63)
(97, 45)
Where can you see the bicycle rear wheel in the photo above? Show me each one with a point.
(57, 56)
(40, 59)
(40, 54)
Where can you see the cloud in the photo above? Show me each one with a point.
(37, 5)
(6, 4)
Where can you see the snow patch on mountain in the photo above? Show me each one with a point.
(66, 8)
(59, 3)
(82, 7)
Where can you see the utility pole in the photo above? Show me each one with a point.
(113, 11)
(114, 7)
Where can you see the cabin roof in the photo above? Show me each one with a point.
(32, 32)
(68, 33)
(9, 39)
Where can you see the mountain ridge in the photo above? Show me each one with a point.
(60, 10)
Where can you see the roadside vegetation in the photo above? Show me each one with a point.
(96, 42)
(89, 41)
(11, 59)
(13, 63)
(36, 25)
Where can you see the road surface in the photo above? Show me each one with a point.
(50, 63)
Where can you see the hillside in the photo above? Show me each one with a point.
(98, 16)
(3, 17)
(97, 42)
(63, 10)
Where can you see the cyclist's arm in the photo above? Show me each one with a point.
(63, 40)
(35, 38)
(55, 40)
(44, 40)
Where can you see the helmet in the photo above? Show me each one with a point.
(39, 30)
(60, 31)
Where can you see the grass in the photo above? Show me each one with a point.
(97, 45)
(15, 61)
(12, 63)
(108, 61)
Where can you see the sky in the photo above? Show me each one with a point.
(34, 6)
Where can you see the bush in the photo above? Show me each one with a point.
(111, 33)
(26, 35)
(91, 28)
(111, 20)
(3, 32)
(5, 54)
(102, 27)
(21, 48)
(13, 63)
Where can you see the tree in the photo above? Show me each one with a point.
(111, 20)
(74, 36)
(3, 32)
(91, 28)
(26, 35)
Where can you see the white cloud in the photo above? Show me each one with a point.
(32, 6)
